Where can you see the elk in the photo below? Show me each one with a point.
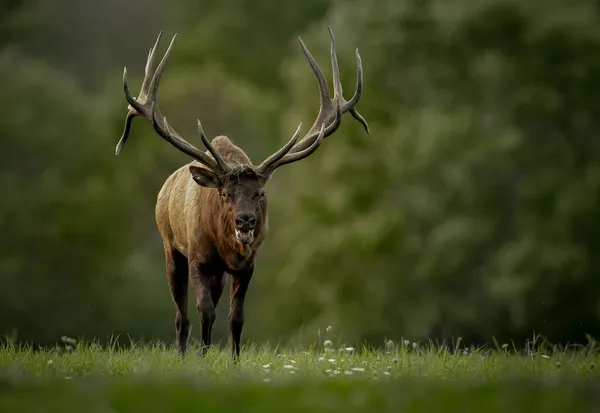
(212, 212)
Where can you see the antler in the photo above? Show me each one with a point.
(146, 105)
(330, 112)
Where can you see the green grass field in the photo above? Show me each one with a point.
(86, 378)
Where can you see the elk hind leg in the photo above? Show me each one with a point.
(177, 277)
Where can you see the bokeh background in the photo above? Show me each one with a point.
(471, 210)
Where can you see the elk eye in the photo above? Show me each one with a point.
(261, 194)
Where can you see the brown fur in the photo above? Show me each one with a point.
(196, 225)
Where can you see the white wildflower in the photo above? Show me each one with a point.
(321, 359)
(266, 366)
(287, 366)
(357, 369)
(331, 360)
(328, 329)
(348, 373)
(68, 340)
(349, 349)
(327, 343)
(545, 356)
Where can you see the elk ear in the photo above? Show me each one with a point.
(204, 177)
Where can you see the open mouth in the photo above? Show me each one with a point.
(245, 237)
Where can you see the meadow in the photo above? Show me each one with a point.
(407, 377)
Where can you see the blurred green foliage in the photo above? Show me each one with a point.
(471, 210)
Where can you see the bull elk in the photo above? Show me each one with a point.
(212, 212)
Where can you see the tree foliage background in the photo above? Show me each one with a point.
(471, 210)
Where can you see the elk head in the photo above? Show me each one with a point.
(242, 197)
(241, 187)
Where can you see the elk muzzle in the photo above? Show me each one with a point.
(245, 223)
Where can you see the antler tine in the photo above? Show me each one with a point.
(357, 94)
(126, 130)
(167, 132)
(326, 101)
(151, 65)
(152, 92)
(296, 156)
(330, 112)
(266, 164)
(337, 83)
(321, 81)
(220, 161)
(146, 105)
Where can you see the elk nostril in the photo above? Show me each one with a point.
(245, 221)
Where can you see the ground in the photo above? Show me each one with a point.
(398, 377)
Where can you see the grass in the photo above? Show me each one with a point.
(85, 377)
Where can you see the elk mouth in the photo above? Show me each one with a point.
(245, 237)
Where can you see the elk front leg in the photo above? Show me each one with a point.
(200, 278)
(239, 287)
